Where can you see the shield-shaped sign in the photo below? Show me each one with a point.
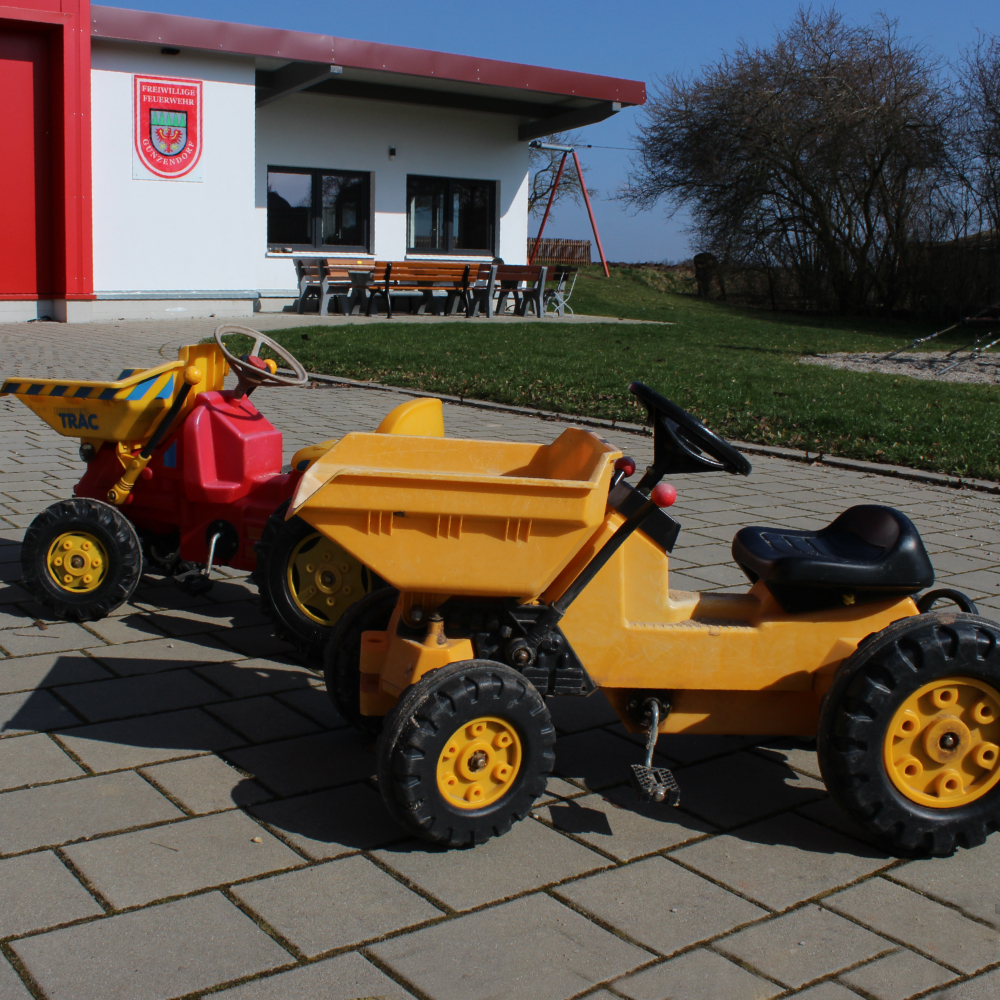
(168, 126)
(168, 131)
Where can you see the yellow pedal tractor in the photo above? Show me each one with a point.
(189, 475)
(524, 571)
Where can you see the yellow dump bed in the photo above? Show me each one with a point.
(444, 515)
(127, 409)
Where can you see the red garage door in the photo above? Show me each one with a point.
(25, 164)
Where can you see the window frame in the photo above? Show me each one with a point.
(316, 211)
(449, 221)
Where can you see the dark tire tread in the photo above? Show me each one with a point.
(426, 716)
(290, 625)
(117, 535)
(342, 656)
(870, 685)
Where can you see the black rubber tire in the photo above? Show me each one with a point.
(114, 531)
(426, 717)
(275, 548)
(342, 656)
(869, 686)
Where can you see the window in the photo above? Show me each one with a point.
(445, 215)
(317, 209)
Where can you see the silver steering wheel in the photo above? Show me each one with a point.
(251, 370)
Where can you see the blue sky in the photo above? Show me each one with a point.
(637, 39)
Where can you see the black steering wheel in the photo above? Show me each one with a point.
(250, 369)
(682, 443)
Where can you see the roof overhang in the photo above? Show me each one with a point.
(289, 62)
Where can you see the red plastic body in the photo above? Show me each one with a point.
(223, 462)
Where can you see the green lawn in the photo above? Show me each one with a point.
(734, 368)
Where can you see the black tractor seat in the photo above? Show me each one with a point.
(869, 553)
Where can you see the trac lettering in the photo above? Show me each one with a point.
(79, 421)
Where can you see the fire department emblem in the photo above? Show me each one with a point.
(168, 126)
(168, 131)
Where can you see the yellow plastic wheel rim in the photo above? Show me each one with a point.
(77, 562)
(942, 747)
(323, 580)
(479, 764)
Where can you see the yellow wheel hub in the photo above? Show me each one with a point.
(479, 764)
(942, 747)
(324, 580)
(77, 562)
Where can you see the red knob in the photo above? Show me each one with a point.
(663, 495)
(625, 464)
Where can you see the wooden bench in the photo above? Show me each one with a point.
(331, 280)
(462, 283)
(525, 283)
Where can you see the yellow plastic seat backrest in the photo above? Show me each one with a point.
(418, 417)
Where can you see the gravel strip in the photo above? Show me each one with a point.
(926, 364)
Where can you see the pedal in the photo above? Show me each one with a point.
(194, 583)
(655, 784)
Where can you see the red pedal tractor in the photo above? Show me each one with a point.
(187, 474)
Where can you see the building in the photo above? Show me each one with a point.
(160, 166)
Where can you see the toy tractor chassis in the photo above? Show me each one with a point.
(524, 571)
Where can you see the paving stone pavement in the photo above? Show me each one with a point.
(182, 813)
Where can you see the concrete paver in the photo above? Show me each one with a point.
(984, 987)
(828, 990)
(34, 760)
(257, 676)
(782, 861)
(898, 976)
(71, 810)
(939, 932)
(697, 975)
(335, 904)
(529, 856)
(151, 954)
(803, 945)
(239, 742)
(263, 719)
(329, 824)
(27, 673)
(151, 655)
(205, 784)
(616, 823)
(28, 711)
(132, 869)
(659, 904)
(595, 758)
(11, 985)
(754, 788)
(108, 746)
(37, 890)
(540, 950)
(959, 880)
(307, 763)
(344, 977)
(122, 697)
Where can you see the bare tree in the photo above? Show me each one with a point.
(815, 156)
(543, 167)
(979, 83)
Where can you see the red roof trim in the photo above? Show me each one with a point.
(247, 39)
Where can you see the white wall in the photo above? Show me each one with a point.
(159, 235)
(342, 133)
